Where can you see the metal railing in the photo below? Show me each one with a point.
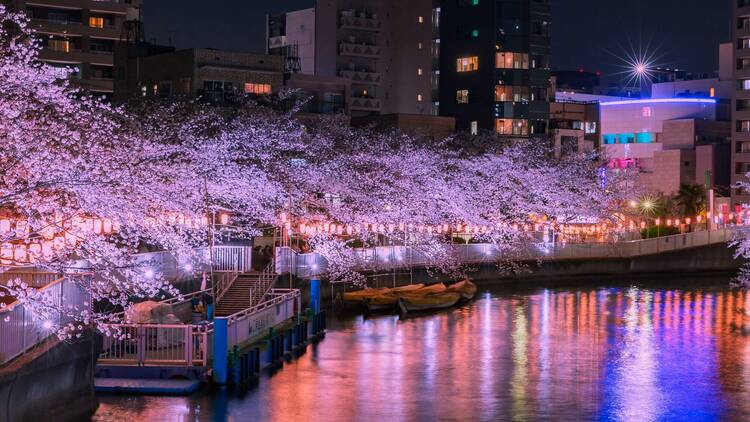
(281, 304)
(158, 344)
(36, 279)
(232, 259)
(224, 282)
(191, 344)
(21, 330)
(394, 257)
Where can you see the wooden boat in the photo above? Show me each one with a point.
(405, 289)
(434, 301)
(465, 287)
(386, 301)
(358, 297)
(432, 288)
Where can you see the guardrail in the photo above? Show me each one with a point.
(385, 258)
(20, 330)
(191, 344)
(281, 305)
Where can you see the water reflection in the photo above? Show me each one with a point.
(592, 354)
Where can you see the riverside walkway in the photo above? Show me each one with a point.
(389, 258)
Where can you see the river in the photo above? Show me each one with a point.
(589, 353)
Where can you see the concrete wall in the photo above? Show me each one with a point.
(705, 260)
(53, 382)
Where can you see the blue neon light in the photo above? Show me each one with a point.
(661, 100)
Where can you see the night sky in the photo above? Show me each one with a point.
(586, 33)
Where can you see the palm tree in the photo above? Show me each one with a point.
(691, 198)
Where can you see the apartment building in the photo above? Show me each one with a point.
(216, 76)
(383, 47)
(741, 99)
(494, 65)
(81, 34)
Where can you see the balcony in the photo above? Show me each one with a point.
(364, 104)
(359, 22)
(362, 77)
(359, 50)
(277, 42)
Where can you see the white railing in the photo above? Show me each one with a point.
(191, 344)
(281, 304)
(393, 257)
(157, 344)
(232, 259)
(31, 277)
(225, 259)
(20, 330)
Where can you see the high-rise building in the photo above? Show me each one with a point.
(494, 64)
(741, 99)
(382, 46)
(81, 34)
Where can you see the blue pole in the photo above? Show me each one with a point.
(315, 295)
(220, 350)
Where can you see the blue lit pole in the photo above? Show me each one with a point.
(220, 350)
(315, 295)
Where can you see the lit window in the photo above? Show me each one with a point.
(512, 127)
(419, 46)
(419, 71)
(419, 97)
(467, 64)
(474, 127)
(712, 92)
(59, 45)
(96, 22)
(646, 112)
(252, 88)
(462, 96)
(421, 19)
(507, 93)
(509, 60)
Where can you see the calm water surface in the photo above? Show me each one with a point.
(621, 354)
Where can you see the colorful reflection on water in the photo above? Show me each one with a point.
(594, 354)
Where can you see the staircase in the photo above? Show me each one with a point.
(245, 290)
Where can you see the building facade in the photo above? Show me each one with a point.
(215, 76)
(494, 65)
(668, 141)
(741, 99)
(81, 34)
(382, 46)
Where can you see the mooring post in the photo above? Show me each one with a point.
(315, 295)
(220, 350)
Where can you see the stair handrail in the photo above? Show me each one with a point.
(267, 277)
(224, 282)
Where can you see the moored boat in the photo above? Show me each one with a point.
(433, 301)
(409, 288)
(385, 301)
(432, 288)
(466, 288)
(358, 297)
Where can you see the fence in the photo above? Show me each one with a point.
(236, 259)
(191, 344)
(392, 257)
(20, 330)
(31, 277)
(157, 344)
(281, 304)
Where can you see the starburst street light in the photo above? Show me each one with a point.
(639, 64)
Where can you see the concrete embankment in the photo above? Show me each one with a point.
(52, 382)
(717, 259)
